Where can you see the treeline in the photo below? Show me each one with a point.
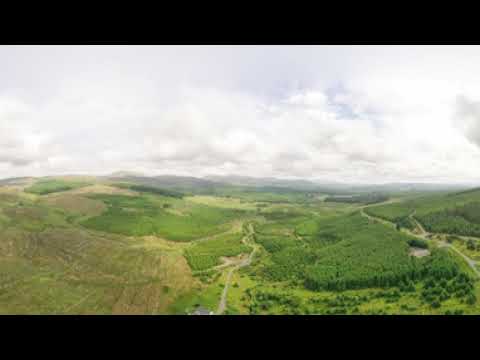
(449, 222)
(282, 214)
(349, 253)
(346, 252)
(46, 191)
(433, 291)
(418, 243)
(470, 212)
(464, 192)
(44, 187)
(151, 190)
(206, 254)
(275, 243)
(351, 267)
(391, 212)
(405, 222)
(396, 213)
(370, 198)
(460, 220)
(397, 272)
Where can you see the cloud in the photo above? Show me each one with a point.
(20, 141)
(364, 114)
(468, 118)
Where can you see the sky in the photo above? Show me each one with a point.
(363, 114)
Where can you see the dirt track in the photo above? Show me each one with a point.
(248, 240)
(424, 235)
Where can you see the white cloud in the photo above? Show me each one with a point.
(467, 118)
(20, 141)
(368, 114)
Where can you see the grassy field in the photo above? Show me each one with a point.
(101, 248)
(223, 202)
(392, 212)
(43, 187)
(73, 271)
(174, 219)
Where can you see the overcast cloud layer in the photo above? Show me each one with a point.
(333, 113)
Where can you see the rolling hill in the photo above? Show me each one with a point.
(129, 244)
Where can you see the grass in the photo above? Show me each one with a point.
(44, 187)
(107, 250)
(75, 204)
(391, 212)
(254, 297)
(205, 295)
(223, 202)
(172, 219)
(32, 217)
(72, 271)
(472, 252)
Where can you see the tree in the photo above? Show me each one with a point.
(470, 244)
(471, 299)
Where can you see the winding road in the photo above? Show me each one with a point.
(247, 240)
(472, 263)
(424, 235)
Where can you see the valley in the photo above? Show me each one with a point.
(170, 245)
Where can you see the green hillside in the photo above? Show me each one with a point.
(139, 248)
(452, 213)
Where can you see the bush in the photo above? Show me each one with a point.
(471, 299)
(471, 244)
(418, 243)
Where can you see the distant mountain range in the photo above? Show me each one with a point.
(172, 182)
(261, 182)
(211, 184)
(15, 180)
